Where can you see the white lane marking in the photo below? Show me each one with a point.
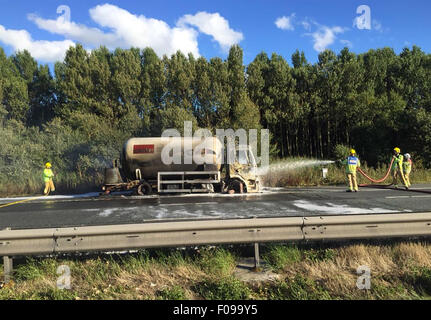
(337, 209)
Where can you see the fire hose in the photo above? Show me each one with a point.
(380, 180)
(384, 178)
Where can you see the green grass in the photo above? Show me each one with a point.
(223, 289)
(279, 257)
(174, 293)
(298, 288)
(420, 279)
(218, 262)
(319, 254)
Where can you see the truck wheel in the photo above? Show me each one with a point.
(145, 189)
(235, 186)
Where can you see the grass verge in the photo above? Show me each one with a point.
(397, 271)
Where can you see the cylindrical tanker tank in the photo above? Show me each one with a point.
(150, 155)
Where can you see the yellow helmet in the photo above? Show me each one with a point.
(397, 150)
(48, 165)
(353, 151)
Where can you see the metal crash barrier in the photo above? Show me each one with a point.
(204, 232)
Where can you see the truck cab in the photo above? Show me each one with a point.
(241, 176)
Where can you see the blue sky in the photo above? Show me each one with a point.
(208, 28)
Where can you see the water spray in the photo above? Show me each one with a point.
(293, 165)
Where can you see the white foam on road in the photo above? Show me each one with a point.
(119, 211)
(186, 203)
(331, 208)
(106, 213)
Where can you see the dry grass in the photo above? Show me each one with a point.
(390, 265)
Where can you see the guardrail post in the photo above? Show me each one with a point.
(257, 267)
(7, 268)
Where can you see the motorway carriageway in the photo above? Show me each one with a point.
(92, 210)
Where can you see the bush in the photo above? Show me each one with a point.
(78, 160)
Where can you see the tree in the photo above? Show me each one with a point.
(14, 94)
(243, 113)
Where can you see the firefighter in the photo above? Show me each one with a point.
(397, 168)
(352, 164)
(47, 178)
(407, 168)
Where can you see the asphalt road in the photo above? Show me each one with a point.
(87, 210)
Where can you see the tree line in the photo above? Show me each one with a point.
(372, 101)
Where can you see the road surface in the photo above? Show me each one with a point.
(90, 210)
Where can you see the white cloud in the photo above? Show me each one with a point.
(139, 31)
(126, 30)
(306, 25)
(120, 28)
(325, 36)
(214, 25)
(71, 30)
(285, 23)
(46, 51)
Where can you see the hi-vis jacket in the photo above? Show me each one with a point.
(407, 166)
(352, 163)
(47, 175)
(398, 162)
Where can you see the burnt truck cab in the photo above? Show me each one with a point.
(140, 168)
(241, 176)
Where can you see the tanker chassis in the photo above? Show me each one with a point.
(141, 169)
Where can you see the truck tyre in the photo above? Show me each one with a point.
(235, 186)
(145, 189)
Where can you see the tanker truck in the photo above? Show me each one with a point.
(141, 169)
